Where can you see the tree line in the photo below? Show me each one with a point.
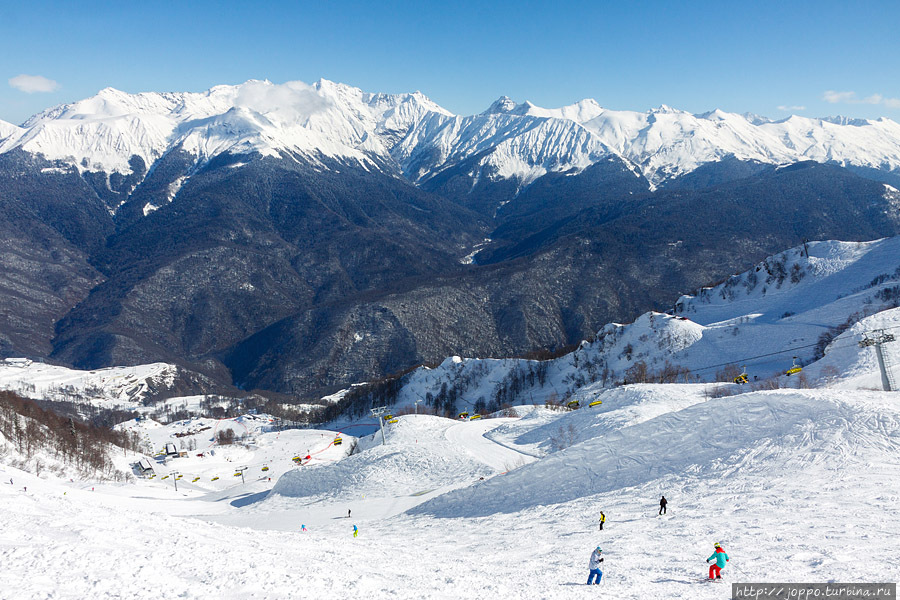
(33, 430)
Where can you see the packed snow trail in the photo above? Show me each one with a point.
(470, 436)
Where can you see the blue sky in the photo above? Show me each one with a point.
(771, 58)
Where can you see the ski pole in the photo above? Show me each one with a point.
(740, 571)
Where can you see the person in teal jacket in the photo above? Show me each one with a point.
(715, 570)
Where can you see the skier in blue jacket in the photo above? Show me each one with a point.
(715, 570)
(594, 566)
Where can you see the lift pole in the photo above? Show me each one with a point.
(880, 338)
(377, 412)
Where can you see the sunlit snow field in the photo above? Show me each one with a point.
(796, 485)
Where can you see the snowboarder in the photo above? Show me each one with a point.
(662, 505)
(594, 566)
(602, 520)
(303, 527)
(715, 570)
(355, 531)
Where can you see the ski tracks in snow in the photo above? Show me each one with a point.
(469, 435)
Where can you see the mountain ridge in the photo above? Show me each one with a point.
(410, 134)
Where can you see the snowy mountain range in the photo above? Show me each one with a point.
(409, 134)
(299, 238)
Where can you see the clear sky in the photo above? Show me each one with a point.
(814, 58)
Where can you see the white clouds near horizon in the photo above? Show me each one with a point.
(31, 84)
(834, 97)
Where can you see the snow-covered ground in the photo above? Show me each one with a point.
(797, 485)
(113, 387)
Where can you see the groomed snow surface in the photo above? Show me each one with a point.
(797, 485)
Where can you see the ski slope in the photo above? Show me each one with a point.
(797, 485)
(471, 436)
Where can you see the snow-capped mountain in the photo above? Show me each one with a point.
(410, 134)
(199, 221)
(510, 146)
(102, 133)
(8, 130)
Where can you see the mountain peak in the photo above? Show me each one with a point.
(502, 105)
(111, 92)
(665, 109)
(7, 130)
(841, 120)
(409, 129)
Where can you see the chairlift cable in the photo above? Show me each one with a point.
(751, 358)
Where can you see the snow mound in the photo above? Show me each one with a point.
(774, 435)
(621, 407)
(418, 457)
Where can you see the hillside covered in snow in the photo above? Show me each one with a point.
(809, 306)
(796, 485)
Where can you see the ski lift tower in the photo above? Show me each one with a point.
(377, 413)
(879, 338)
(241, 471)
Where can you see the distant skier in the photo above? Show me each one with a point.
(662, 505)
(355, 531)
(303, 527)
(594, 566)
(721, 558)
(348, 513)
(602, 520)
